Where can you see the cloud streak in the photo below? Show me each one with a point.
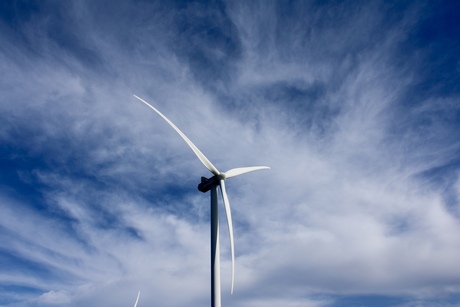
(349, 105)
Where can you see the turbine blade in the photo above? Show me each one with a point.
(137, 299)
(243, 170)
(197, 152)
(230, 227)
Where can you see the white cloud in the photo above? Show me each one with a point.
(55, 298)
(343, 210)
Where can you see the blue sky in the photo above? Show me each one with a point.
(354, 105)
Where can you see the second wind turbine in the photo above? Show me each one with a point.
(211, 184)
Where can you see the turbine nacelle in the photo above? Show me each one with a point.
(207, 183)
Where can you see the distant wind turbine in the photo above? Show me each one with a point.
(137, 299)
(211, 184)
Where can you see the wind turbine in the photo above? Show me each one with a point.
(137, 299)
(211, 184)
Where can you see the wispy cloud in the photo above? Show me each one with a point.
(344, 102)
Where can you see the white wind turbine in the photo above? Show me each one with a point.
(137, 299)
(211, 184)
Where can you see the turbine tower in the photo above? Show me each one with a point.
(211, 184)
